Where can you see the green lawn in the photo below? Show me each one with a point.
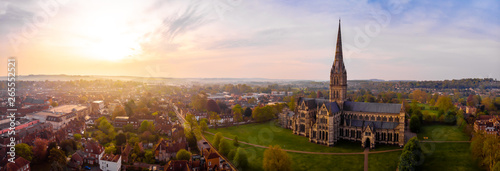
(269, 134)
(383, 161)
(448, 156)
(383, 147)
(442, 133)
(305, 161)
(428, 109)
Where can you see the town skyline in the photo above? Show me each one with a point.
(405, 40)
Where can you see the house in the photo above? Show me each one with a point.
(212, 159)
(110, 162)
(93, 152)
(177, 165)
(488, 124)
(76, 160)
(166, 149)
(120, 121)
(126, 152)
(19, 164)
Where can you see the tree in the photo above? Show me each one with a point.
(128, 128)
(240, 158)
(488, 104)
(214, 119)
(130, 107)
(415, 124)
(191, 121)
(121, 139)
(473, 100)
(476, 146)
(276, 159)
(111, 149)
(199, 102)
(68, 146)
(77, 137)
(444, 103)
(491, 151)
(183, 155)
(235, 142)
(58, 156)
(119, 111)
(191, 139)
(291, 104)
(248, 112)
(217, 139)
(212, 106)
(51, 145)
(146, 126)
(231, 154)
(238, 113)
(24, 150)
(204, 126)
(224, 147)
(40, 150)
(420, 96)
(54, 104)
(149, 157)
(410, 157)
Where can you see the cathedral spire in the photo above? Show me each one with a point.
(338, 64)
(338, 75)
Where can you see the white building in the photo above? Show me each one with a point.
(59, 116)
(110, 162)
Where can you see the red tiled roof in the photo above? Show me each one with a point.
(213, 155)
(19, 163)
(177, 165)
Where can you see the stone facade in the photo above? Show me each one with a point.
(326, 121)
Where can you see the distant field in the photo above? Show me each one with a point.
(428, 109)
(442, 133)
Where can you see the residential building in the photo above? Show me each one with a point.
(110, 162)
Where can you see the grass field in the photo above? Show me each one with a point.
(442, 133)
(305, 161)
(383, 161)
(269, 134)
(428, 109)
(448, 156)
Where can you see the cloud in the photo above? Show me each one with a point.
(272, 39)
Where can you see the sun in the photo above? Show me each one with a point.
(109, 39)
(114, 49)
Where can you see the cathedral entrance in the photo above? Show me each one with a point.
(367, 143)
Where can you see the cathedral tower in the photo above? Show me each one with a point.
(338, 75)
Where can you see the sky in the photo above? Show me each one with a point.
(285, 39)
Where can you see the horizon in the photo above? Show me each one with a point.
(244, 78)
(289, 40)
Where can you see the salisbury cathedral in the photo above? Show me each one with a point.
(326, 121)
